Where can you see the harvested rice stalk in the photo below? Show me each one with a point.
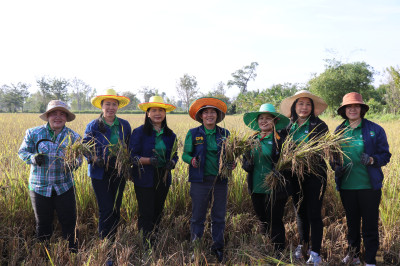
(174, 151)
(77, 150)
(123, 162)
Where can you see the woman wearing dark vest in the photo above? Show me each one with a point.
(269, 205)
(151, 147)
(359, 180)
(202, 152)
(303, 109)
(107, 131)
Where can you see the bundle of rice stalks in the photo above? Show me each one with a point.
(77, 150)
(123, 161)
(237, 144)
(174, 151)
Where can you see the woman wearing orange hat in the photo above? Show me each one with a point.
(151, 147)
(303, 109)
(359, 180)
(202, 152)
(107, 131)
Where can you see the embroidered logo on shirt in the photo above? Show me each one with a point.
(199, 140)
(372, 133)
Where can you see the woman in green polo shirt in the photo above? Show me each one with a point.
(269, 206)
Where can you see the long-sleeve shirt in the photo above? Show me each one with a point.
(51, 175)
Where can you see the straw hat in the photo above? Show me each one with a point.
(251, 118)
(207, 102)
(351, 98)
(319, 104)
(156, 101)
(57, 105)
(110, 94)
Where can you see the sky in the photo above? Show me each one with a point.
(131, 44)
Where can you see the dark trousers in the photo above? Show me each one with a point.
(109, 192)
(65, 207)
(210, 191)
(270, 212)
(307, 200)
(151, 204)
(362, 205)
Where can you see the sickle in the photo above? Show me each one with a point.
(37, 144)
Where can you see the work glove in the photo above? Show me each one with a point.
(170, 165)
(247, 164)
(195, 162)
(230, 165)
(154, 161)
(38, 159)
(98, 162)
(365, 159)
(339, 170)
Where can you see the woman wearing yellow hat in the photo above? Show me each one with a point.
(151, 146)
(107, 131)
(202, 152)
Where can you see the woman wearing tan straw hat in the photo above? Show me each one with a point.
(107, 131)
(151, 147)
(202, 152)
(359, 180)
(303, 109)
(51, 180)
(268, 204)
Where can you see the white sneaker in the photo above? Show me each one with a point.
(298, 254)
(315, 259)
(350, 260)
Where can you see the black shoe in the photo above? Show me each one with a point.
(219, 253)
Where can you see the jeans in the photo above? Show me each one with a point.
(362, 204)
(211, 191)
(109, 192)
(307, 200)
(65, 207)
(270, 213)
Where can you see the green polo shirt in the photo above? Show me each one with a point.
(114, 127)
(300, 133)
(262, 163)
(356, 176)
(160, 148)
(52, 134)
(211, 164)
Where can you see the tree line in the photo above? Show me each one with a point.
(337, 79)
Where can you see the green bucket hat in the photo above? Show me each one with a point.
(250, 119)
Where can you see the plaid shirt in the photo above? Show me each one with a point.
(51, 174)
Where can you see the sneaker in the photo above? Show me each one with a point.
(350, 260)
(315, 259)
(298, 254)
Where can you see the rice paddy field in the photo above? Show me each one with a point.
(244, 244)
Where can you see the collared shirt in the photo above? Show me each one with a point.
(51, 175)
(300, 133)
(356, 176)
(262, 163)
(160, 148)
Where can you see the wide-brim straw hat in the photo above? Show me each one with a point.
(110, 94)
(208, 102)
(351, 98)
(319, 104)
(57, 105)
(251, 118)
(156, 101)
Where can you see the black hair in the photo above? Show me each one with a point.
(342, 111)
(293, 114)
(148, 125)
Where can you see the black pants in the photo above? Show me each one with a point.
(362, 204)
(109, 192)
(307, 200)
(65, 207)
(270, 212)
(151, 204)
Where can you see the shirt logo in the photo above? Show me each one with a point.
(269, 142)
(372, 133)
(199, 140)
(306, 131)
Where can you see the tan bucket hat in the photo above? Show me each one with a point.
(319, 104)
(351, 98)
(54, 105)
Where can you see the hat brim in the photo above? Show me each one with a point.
(167, 107)
(250, 120)
(210, 102)
(123, 101)
(319, 104)
(70, 116)
(341, 110)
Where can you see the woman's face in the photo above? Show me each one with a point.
(266, 122)
(353, 111)
(303, 107)
(109, 108)
(57, 119)
(156, 115)
(209, 116)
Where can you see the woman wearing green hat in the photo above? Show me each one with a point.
(151, 147)
(268, 205)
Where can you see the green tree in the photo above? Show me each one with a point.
(134, 100)
(80, 93)
(147, 92)
(187, 89)
(52, 89)
(392, 95)
(242, 77)
(14, 96)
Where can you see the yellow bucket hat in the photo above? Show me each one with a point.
(110, 94)
(156, 101)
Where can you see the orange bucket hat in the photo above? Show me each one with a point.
(351, 98)
(208, 102)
